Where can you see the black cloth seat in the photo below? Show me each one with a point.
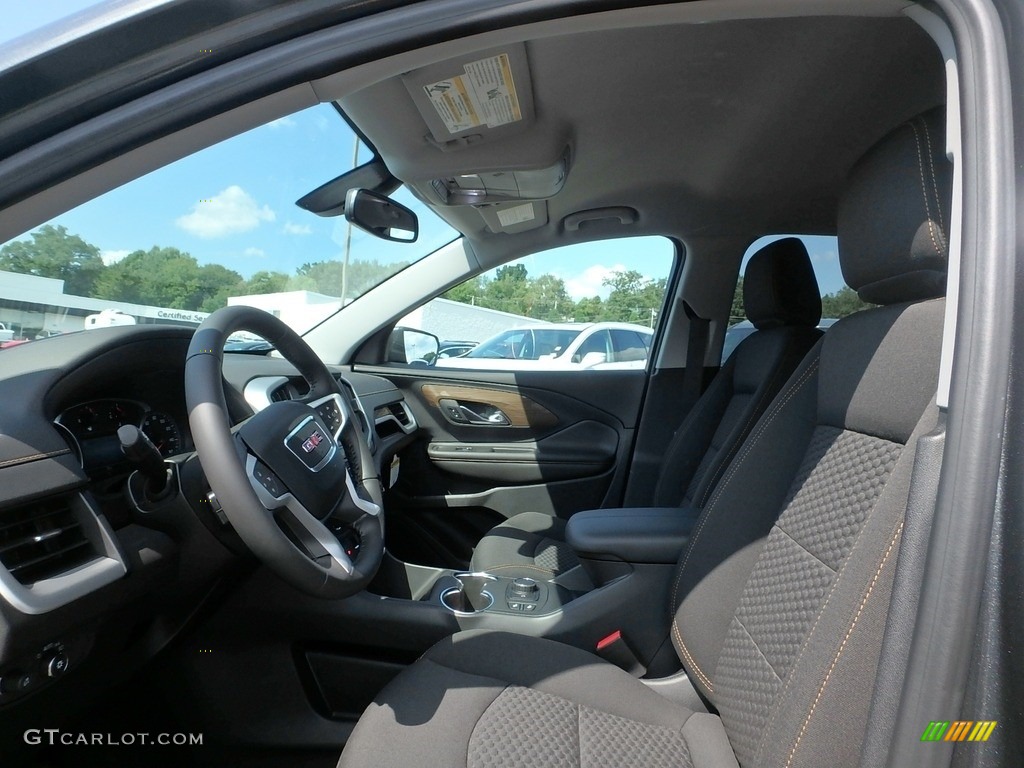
(782, 300)
(778, 605)
(456, 706)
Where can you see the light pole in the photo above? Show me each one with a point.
(348, 233)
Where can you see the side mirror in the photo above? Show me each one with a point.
(381, 216)
(593, 358)
(412, 347)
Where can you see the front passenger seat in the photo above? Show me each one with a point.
(780, 601)
(782, 300)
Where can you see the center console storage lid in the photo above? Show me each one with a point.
(633, 535)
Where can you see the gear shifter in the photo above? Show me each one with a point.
(139, 450)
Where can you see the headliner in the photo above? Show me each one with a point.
(730, 128)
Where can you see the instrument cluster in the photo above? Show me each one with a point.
(93, 426)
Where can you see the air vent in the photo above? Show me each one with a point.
(42, 540)
(280, 394)
(398, 411)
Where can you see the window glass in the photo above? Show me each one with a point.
(628, 346)
(837, 298)
(550, 309)
(218, 227)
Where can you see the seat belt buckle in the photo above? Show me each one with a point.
(616, 650)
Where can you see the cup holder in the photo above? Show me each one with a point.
(471, 595)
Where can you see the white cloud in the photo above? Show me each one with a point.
(112, 257)
(290, 228)
(231, 211)
(254, 252)
(282, 122)
(589, 281)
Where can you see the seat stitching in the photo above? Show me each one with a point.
(769, 418)
(935, 183)
(842, 646)
(792, 538)
(696, 668)
(738, 443)
(759, 650)
(810, 634)
(924, 191)
(675, 589)
(761, 430)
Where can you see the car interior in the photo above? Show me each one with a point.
(346, 557)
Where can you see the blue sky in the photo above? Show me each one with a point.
(234, 203)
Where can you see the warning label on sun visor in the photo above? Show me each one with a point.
(517, 214)
(484, 95)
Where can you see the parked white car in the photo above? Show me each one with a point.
(560, 346)
(6, 334)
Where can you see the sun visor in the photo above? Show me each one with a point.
(478, 97)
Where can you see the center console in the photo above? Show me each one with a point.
(627, 558)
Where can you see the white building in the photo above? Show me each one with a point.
(33, 305)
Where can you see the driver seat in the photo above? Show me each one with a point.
(779, 603)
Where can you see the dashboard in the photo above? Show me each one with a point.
(80, 562)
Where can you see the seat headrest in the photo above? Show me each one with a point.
(894, 215)
(779, 287)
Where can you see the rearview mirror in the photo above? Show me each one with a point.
(381, 216)
(412, 347)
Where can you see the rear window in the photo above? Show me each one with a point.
(837, 298)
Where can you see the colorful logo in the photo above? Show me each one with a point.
(312, 442)
(958, 730)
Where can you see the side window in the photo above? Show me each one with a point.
(837, 298)
(550, 310)
(594, 350)
(628, 346)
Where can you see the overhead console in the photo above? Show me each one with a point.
(464, 132)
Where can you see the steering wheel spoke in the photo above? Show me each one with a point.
(314, 537)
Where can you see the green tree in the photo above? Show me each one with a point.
(737, 312)
(52, 252)
(588, 310)
(512, 272)
(468, 292)
(843, 302)
(633, 297)
(166, 277)
(547, 299)
(328, 276)
(266, 282)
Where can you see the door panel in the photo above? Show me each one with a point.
(583, 449)
(561, 445)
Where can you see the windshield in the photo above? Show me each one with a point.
(217, 228)
(526, 344)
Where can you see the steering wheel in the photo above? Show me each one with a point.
(297, 480)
